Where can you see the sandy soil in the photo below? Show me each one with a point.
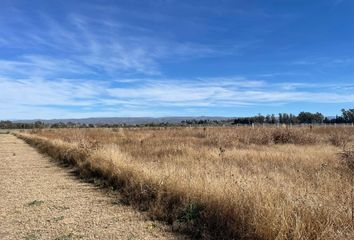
(40, 200)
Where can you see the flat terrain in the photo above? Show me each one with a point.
(40, 200)
(232, 182)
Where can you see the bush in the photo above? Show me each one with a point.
(292, 136)
(268, 136)
(339, 139)
(347, 156)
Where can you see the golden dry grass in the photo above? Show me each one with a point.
(222, 182)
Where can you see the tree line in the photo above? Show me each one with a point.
(347, 116)
(284, 118)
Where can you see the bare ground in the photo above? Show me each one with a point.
(40, 200)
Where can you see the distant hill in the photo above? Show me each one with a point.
(124, 120)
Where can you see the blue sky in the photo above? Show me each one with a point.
(74, 59)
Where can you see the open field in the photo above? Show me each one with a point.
(223, 182)
(42, 201)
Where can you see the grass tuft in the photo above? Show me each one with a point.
(35, 203)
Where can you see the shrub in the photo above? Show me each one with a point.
(294, 136)
(268, 136)
(339, 139)
(347, 156)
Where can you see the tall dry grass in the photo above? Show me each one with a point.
(223, 182)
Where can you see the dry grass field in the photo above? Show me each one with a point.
(222, 182)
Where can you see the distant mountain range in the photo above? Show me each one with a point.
(124, 120)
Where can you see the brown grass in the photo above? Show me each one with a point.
(223, 182)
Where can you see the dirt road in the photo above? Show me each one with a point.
(40, 200)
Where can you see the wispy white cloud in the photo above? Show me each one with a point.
(324, 61)
(57, 63)
(36, 92)
(87, 45)
(30, 98)
(40, 66)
